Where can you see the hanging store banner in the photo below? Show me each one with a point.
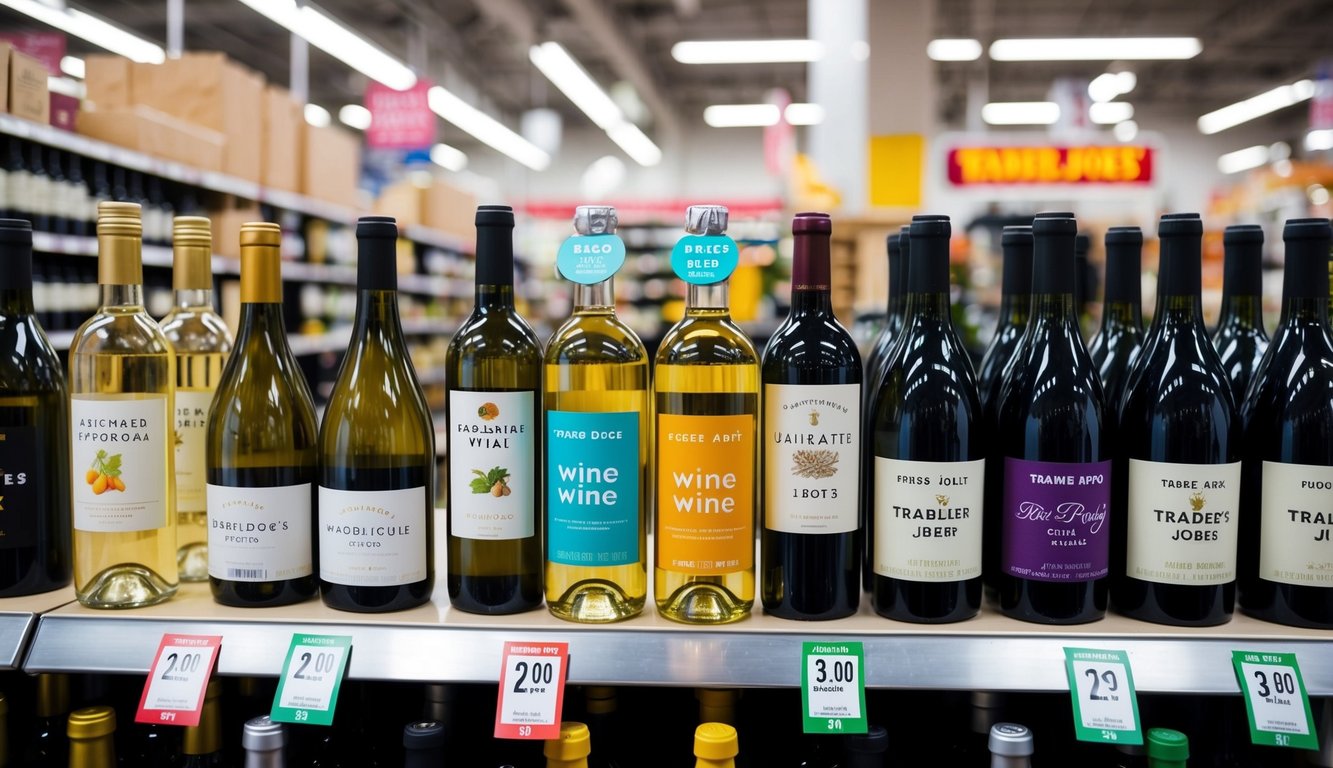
(1116, 164)
(400, 119)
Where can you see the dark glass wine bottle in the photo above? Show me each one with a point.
(264, 742)
(1177, 467)
(1015, 305)
(1120, 337)
(894, 313)
(423, 744)
(1240, 338)
(866, 750)
(811, 374)
(1055, 448)
(1286, 566)
(929, 455)
(34, 433)
(48, 746)
(201, 745)
(1085, 279)
(1010, 745)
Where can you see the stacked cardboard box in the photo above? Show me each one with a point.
(331, 165)
(437, 205)
(23, 89)
(283, 129)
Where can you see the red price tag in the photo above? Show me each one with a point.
(174, 691)
(532, 690)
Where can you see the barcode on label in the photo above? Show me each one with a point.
(247, 573)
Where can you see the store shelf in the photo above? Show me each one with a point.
(18, 618)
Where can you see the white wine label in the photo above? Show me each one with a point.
(259, 534)
(122, 462)
(928, 519)
(1296, 529)
(812, 457)
(373, 538)
(1182, 523)
(492, 465)
(191, 430)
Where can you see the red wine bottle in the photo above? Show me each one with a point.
(1240, 338)
(1015, 305)
(1120, 337)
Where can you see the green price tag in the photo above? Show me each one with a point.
(311, 676)
(1102, 689)
(833, 689)
(1275, 699)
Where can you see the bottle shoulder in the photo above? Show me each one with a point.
(706, 341)
(495, 334)
(600, 338)
(120, 331)
(28, 362)
(1294, 382)
(1052, 379)
(811, 343)
(196, 331)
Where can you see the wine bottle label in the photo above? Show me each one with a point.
(121, 460)
(928, 519)
(592, 488)
(812, 457)
(1056, 524)
(1296, 532)
(21, 482)
(259, 534)
(191, 431)
(492, 465)
(1182, 522)
(372, 538)
(705, 493)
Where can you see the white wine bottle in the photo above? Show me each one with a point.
(377, 452)
(202, 341)
(122, 373)
(597, 438)
(262, 456)
(707, 456)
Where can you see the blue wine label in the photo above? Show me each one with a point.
(20, 486)
(704, 259)
(592, 488)
(589, 259)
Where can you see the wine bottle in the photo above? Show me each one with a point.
(929, 456)
(715, 746)
(494, 374)
(122, 375)
(201, 341)
(1286, 566)
(1177, 471)
(597, 442)
(810, 547)
(1118, 341)
(92, 738)
(34, 434)
(1011, 744)
(1015, 305)
(1055, 452)
(707, 391)
(866, 750)
(423, 744)
(262, 458)
(376, 452)
(264, 741)
(1240, 337)
(1167, 748)
(893, 322)
(570, 749)
(202, 744)
(717, 705)
(49, 745)
(602, 708)
(39, 190)
(1082, 279)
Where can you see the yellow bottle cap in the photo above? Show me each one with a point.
(52, 695)
(192, 230)
(119, 219)
(91, 723)
(715, 741)
(261, 233)
(574, 743)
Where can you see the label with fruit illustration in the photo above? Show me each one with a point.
(122, 458)
(191, 430)
(20, 486)
(812, 457)
(1182, 522)
(492, 465)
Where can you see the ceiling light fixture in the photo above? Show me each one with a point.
(1111, 112)
(742, 115)
(639, 147)
(325, 33)
(448, 158)
(91, 28)
(1096, 49)
(1319, 141)
(1244, 111)
(954, 49)
(1020, 112)
(354, 116)
(317, 116)
(1243, 159)
(1125, 130)
(486, 129)
(803, 114)
(747, 51)
(73, 66)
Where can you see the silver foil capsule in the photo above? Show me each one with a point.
(595, 220)
(706, 219)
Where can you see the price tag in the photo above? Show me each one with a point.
(1275, 699)
(174, 691)
(532, 690)
(833, 689)
(1102, 688)
(311, 677)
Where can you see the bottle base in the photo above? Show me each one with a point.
(263, 594)
(126, 586)
(595, 602)
(700, 602)
(494, 595)
(192, 562)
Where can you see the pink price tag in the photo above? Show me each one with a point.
(178, 679)
(532, 690)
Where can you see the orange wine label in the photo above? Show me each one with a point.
(705, 493)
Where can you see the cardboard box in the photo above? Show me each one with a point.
(437, 205)
(64, 111)
(283, 119)
(28, 94)
(107, 79)
(5, 48)
(403, 200)
(331, 166)
(227, 223)
(152, 132)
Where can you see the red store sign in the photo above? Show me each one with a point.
(995, 166)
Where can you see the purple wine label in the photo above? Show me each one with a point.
(1056, 520)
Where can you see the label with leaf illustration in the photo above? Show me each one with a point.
(492, 465)
(1182, 523)
(812, 457)
(121, 452)
(928, 519)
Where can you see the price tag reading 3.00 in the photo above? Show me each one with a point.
(311, 677)
(1102, 689)
(1275, 699)
(532, 690)
(174, 691)
(833, 688)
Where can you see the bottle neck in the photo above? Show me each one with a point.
(708, 298)
(121, 295)
(810, 274)
(377, 314)
(16, 280)
(1015, 308)
(495, 268)
(119, 260)
(1243, 311)
(1121, 314)
(1053, 275)
(194, 298)
(928, 280)
(1305, 283)
(260, 319)
(1179, 281)
(598, 298)
(271, 759)
(205, 738)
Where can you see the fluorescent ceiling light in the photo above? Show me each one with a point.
(954, 49)
(639, 147)
(803, 114)
(486, 129)
(746, 51)
(448, 158)
(317, 116)
(1233, 115)
(354, 116)
(1020, 112)
(330, 36)
(741, 115)
(92, 29)
(67, 86)
(1126, 130)
(573, 80)
(1095, 48)
(73, 66)
(1243, 159)
(1111, 112)
(1318, 141)
(1107, 86)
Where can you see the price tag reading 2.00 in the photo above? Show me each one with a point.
(1102, 689)
(174, 691)
(1275, 699)
(311, 677)
(532, 690)
(833, 689)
